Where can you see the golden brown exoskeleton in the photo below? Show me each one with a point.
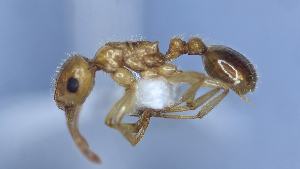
(227, 69)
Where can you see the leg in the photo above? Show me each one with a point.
(136, 130)
(194, 104)
(114, 119)
(133, 132)
(203, 111)
(135, 127)
(126, 105)
(172, 75)
(194, 79)
(188, 97)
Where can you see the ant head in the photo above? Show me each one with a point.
(74, 82)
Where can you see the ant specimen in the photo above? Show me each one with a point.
(226, 68)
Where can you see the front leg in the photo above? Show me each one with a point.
(133, 132)
(126, 105)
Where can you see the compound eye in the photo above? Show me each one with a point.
(72, 85)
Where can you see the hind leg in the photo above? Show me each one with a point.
(208, 100)
(206, 108)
